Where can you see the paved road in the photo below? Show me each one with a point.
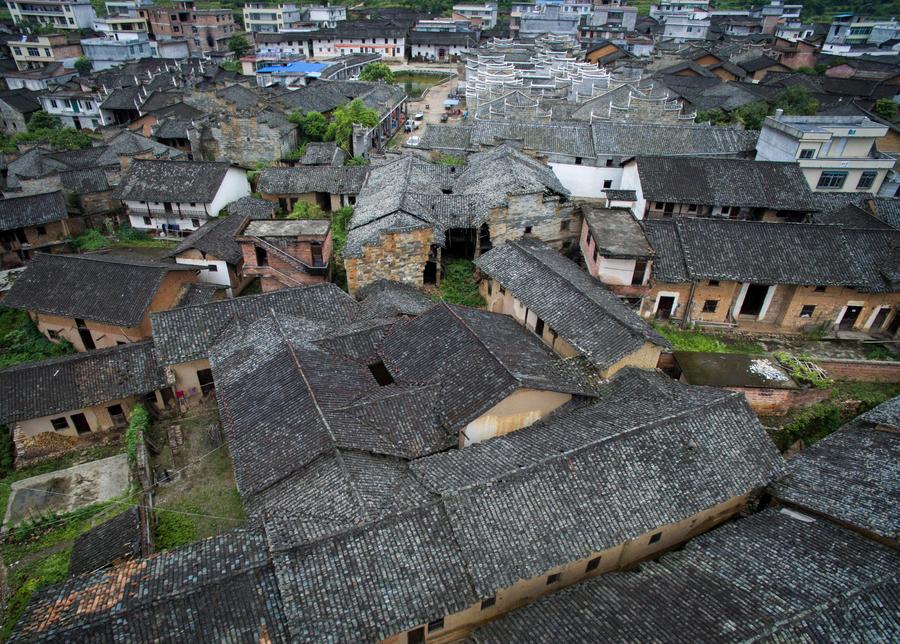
(434, 98)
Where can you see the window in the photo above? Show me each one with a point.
(577, 160)
(528, 229)
(692, 207)
(33, 51)
(17, 51)
(212, 268)
(193, 204)
(564, 225)
(607, 184)
(807, 153)
(866, 179)
(713, 282)
(59, 423)
(609, 163)
(656, 537)
(262, 257)
(539, 327)
(53, 333)
(148, 221)
(436, 625)
(807, 310)
(41, 230)
(381, 374)
(820, 289)
(710, 306)
(593, 564)
(554, 578)
(832, 179)
(195, 223)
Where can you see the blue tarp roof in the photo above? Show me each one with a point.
(298, 67)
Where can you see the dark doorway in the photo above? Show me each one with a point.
(664, 309)
(85, 333)
(206, 380)
(117, 414)
(262, 257)
(880, 319)
(81, 423)
(460, 243)
(21, 237)
(850, 317)
(754, 299)
(416, 636)
(640, 267)
(323, 200)
(894, 326)
(484, 239)
(315, 249)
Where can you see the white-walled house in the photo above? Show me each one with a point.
(177, 197)
(74, 107)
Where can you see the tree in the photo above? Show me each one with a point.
(239, 45)
(40, 121)
(886, 108)
(796, 100)
(231, 66)
(715, 116)
(343, 119)
(313, 125)
(67, 138)
(306, 210)
(374, 72)
(83, 65)
(751, 115)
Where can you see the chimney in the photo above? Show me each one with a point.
(778, 113)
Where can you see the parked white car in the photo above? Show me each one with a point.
(413, 140)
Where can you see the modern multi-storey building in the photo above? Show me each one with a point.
(482, 15)
(205, 30)
(113, 50)
(849, 31)
(60, 14)
(835, 153)
(33, 52)
(122, 26)
(325, 16)
(260, 17)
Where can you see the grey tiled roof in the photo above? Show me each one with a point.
(453, 138)
(112, 541)
(299, 179)
(688, 249)
(888, 210)
(36, 389)
(251, 208)
(568, 139)
(385, 299)
(84, 181)
(411, 194)
(579, 308)
(632, 139)
(215, 237)
(91, 287)
(177, 181)
(32, 210)
(771, 577)
(323, 154)
(219, 589)
(852, 476)
(187, 333)
(724, 182)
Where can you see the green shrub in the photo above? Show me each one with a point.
(20, 340)
(810, 425)
(90, 240)
(127, 233)
(694, 340)
(801, 371)
(306, 210)
(139, 423)
(449, 159)
(881, 352)
(356, 160)
(458, 285)
(173, 529)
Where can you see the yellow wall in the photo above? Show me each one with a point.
(97, 416)
(520, 409)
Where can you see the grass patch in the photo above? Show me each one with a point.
(695, 340)
(128, 237)
(25, 581)
(881, 352)
(20, 340)
(458, 285)
(90, 240)
(204, 502)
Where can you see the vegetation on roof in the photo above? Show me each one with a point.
(793, 100)
(696, 340)
(20, 340)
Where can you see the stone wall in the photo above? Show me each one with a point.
(399, 256)
(244, 141)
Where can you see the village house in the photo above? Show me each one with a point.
(205, 30)
(77, 395)
(721, 188)
(35, 51)
(322, 153)
(286, 252)
(850, 476)
(561, 304)
(174, 197)
(614, 247)
(73, 106)
(766, 277)
(39, 79)
(38, 222)
(329, 187)
(471, 551)
(184, 336)
(58, 14)
(411, 216)
(96, 301)
(738, 583)
(16, 108)
(835, 153)
(213, 250)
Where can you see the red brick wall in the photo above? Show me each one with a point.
(861, 370)
(777, 402)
